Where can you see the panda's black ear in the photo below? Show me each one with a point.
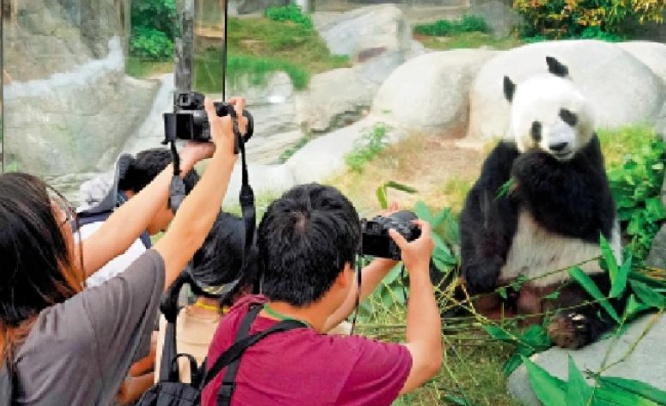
(509, 89)
(556, 68)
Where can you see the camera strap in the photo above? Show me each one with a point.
(358, 294)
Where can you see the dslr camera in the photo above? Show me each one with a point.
(375, 239)
(189, 120)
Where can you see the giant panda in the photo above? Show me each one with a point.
(557, 205)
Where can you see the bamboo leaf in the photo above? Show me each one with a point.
(640, 388)
(400, 186)
(382, 197)
(499, 333)
(647, 295)
(609, 257)
(590, 287)
(578, 391)
(551, 391)
(607, 394)
(553, 295)
(423, 212)
(633, 308)
(619, 284)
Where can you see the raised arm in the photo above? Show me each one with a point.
(424, 326)
(125, 225)
(371, 275)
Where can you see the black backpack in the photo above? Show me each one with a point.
(169, 391)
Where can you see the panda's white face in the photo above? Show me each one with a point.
(550, 114)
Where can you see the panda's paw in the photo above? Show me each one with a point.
(481, 277)
(530, 164)
(570, 330)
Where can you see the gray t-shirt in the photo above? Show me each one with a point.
(78, 352)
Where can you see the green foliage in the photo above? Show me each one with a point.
(392, 291)
(291, 13)
(154, 29)
(382, 192)
(599, 19)
(441, 28)
(289, 152)
(636, 187)
(254, 70)
(366, 148)
(151, 44)
(552, 391)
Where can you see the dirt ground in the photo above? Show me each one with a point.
(440, 169)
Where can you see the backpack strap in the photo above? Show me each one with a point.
(228, 381)
(238, 348)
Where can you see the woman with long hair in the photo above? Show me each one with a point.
(61, 344)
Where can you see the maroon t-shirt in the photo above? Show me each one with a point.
(302, 367)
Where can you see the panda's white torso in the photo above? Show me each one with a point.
(544, 257)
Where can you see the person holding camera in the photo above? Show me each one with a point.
(307, 243)
(100, 199)
(61, 344)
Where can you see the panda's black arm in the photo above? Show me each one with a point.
(488, 222)
(571, 198)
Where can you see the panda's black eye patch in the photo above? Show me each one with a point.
(536, 131)
(568, 117)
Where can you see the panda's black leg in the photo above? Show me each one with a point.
(578, 320)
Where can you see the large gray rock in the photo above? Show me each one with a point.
(377, 38)
(333, 99)
(429, 94)
(653, 54)
(82, 116)
(264, 179)
(498, 14)
(268, 150)
(645, 362)
(622, 89)
(324, 157)
(271, 102)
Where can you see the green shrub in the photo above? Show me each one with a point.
(208, 65)
(636, 187)
(442, 28)
(366, 148)
(151, 44)
(571, 18)
(291, 13)
(154, 29)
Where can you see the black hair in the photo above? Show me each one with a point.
(304, 241)
(38, 260)
(220, 258)
(219, 261)
(146, 166)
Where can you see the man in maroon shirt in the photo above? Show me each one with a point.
(307, 242)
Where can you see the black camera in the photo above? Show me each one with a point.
(375, 239)
(189, 120)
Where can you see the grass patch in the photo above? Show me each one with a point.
(289, 152)
(366, 148)
(261, 203)
(258, 46)
(469, 40)
(618, 144)
(208, 65)
(440, 28)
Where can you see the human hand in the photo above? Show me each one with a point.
(221, 128)
(416, 254)
(194, 152)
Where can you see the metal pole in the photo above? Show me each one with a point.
(224, 51)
